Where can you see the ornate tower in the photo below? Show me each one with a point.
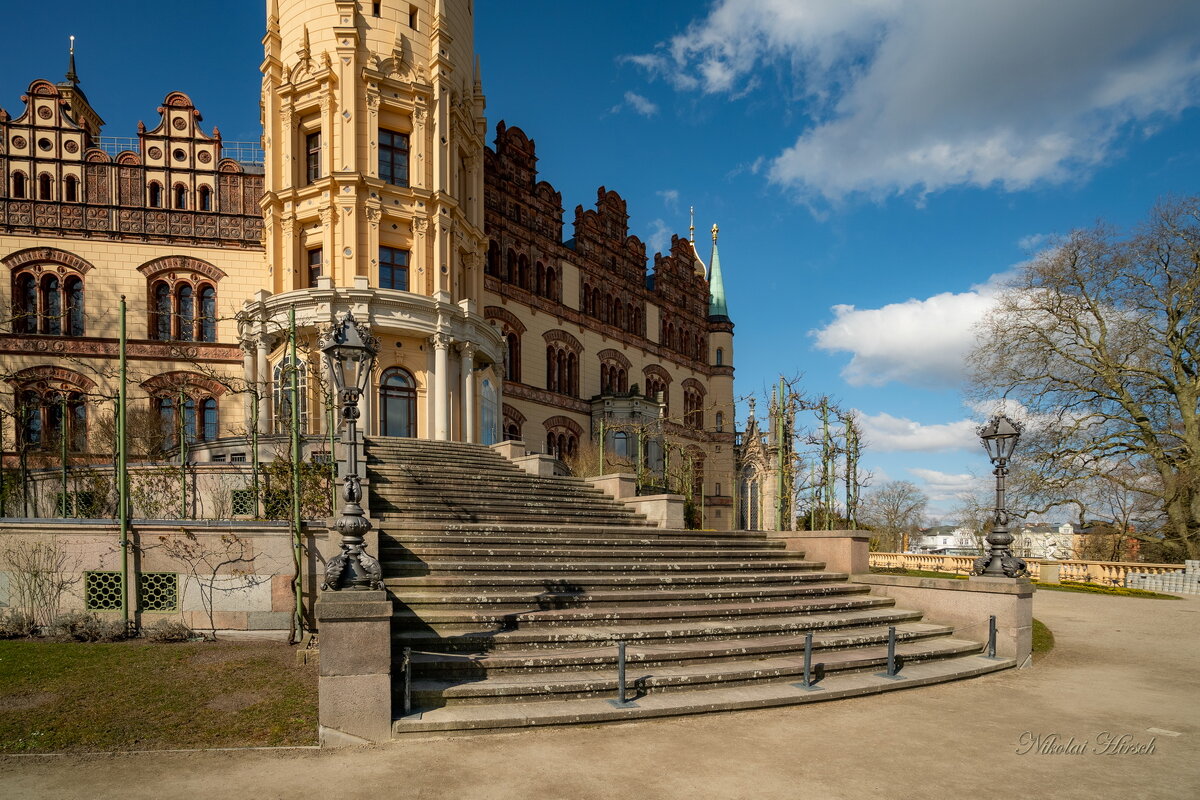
(374, 134)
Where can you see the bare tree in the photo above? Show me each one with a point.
(1099, 339)
(893, 510)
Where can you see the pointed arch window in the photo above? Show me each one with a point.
(397, 403)
(490, 412)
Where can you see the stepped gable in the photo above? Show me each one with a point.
(511, 592)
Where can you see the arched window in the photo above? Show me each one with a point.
(44, 190)
(282, 388)
(493, 258)
(551, 283)
(44, 417)
(71, 189)
(523, 271)
(720, 422)
(621, 444)
(204, 199)
(199, 418)
(208, 313)
(51, 306)
(180, 196)
(74, 293)
(512, 432)
(490, 413)
(397, 403)
(749, 516)
(185, 305)
(510, 271)
(25, 320)
(720, 356)
(155, 195)
(160, 323)
(18, 186)
(512, 362)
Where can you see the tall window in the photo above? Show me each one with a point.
(393, 268)
(397, 403)
(282, 386)
(156, 195)
(18, 186)
(393, 157)
(44, 190)
(314, 266)
(180, 196)
(312, 157)
(44, 418)
(51, 305)
(490, 413)
(512, 361)
(204, 199)
(71, 189)
(197, 422)
(184, 313)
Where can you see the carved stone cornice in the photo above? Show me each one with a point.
(546, 398)
(94, 347)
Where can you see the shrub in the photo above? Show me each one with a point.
(81, 627)
(170, 630)
(16, 624)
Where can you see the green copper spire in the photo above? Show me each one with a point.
(716, 287)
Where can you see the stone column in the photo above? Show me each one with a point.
(264, 388)
(468, 383)
(355, 686)
(441, 387)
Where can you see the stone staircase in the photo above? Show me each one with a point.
(512, 591)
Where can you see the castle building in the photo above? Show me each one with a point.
(374, 192)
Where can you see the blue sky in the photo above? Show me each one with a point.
(872, 165)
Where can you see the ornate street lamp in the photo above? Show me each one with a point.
(999, 440)
(349, 350)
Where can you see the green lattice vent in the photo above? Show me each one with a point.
(102, 591)
(242, 502)
(158, 591)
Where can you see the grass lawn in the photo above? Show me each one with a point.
(1043, 638)
(137, 695)
(1065, 586)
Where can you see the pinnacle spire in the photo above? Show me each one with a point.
(717, 306)
(692, 224)
(72, 76)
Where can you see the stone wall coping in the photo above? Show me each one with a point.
(646, 497)
(818, 534)
(1021, 587)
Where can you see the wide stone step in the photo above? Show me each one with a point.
(715, 541)
(531, 619)
(477, 487)
(451, 639)
(553, 569)
(499, 501)
(606, 552)
(802, 571)
(640, 655)
(509, 601)
(386, 510)
(640, 682)
(503, 715)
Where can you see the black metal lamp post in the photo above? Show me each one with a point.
(349, 350)
(999, 440)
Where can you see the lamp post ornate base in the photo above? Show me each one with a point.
(999, 439)
(349, 345)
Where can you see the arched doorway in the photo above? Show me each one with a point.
(397, 403)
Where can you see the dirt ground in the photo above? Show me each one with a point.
(1121, 667)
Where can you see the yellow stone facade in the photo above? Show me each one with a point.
(376, 193)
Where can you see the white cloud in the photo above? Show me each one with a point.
(660, 236)
(638, 103)
(883, 433)
(670, 198)
(1033, 241)
(914, 96)
(945, 488)
(919, 342)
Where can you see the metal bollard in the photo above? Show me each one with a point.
(813, 673)
(407, 681)
(895, 663)
(992, 636)
(621, 672)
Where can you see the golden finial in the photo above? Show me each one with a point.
(714, 232)
(692, 225)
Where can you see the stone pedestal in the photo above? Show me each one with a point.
(355, 684)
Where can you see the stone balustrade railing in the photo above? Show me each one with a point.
(1107, 573)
